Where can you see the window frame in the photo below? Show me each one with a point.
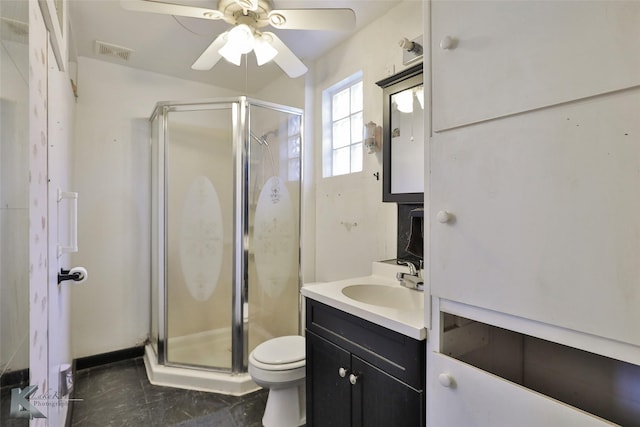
(328, 121)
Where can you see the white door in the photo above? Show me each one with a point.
(544, 216)
(495, 58)
(60, 133)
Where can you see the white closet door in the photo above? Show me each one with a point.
(507, 57)
(544, 216)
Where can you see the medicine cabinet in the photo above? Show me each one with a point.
(403, 136)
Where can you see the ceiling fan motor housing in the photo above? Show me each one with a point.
(235, 13)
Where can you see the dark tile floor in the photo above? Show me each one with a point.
(5, 404)
(119, 394)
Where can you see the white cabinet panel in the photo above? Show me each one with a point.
(545, 216)
(513, 56)
(476, 399)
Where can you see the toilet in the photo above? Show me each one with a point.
(279, 365)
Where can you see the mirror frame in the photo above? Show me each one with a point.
(405, 79)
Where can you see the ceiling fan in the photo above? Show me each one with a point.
(248, 18)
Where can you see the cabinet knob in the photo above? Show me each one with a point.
(446, 380)
(448, 43)
(444, 217)
(342, 372)
(353, 379)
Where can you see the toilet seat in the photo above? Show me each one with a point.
(279, 354)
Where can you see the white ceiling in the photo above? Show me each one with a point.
(169, 45)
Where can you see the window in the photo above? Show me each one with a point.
(293, 147)
(343, 127)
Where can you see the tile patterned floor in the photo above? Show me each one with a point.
(119, 394)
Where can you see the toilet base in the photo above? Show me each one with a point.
(286, 407)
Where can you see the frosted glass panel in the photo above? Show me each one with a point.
(341, 104)
(274, 225)
(199, 237)
(341, 133)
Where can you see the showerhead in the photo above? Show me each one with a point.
(262, 140)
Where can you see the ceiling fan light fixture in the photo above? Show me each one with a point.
(230, 54)
(265, 52)
(241, 38)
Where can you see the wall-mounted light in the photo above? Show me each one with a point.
(372, 137)
(412, 50)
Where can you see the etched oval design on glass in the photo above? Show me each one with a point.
(201, 238)
(274, 237)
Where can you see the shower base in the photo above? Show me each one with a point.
(196, 379)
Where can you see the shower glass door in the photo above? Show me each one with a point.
(199, 191)
(274, 222)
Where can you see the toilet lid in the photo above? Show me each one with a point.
(280, 350)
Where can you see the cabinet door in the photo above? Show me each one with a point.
(380, 400)
(328, 394)
(545, 216)
(476, 398)
(513, 56)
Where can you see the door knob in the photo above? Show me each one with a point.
(446, 380)
(448, 43)
(444, 217)
(342, 372)
(353, 379)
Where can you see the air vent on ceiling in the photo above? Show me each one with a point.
(102, 48)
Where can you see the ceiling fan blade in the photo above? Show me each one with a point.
(154, 6)
(286, 59)
(313, 19)
(210, 56)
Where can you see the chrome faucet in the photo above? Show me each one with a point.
(410, 280)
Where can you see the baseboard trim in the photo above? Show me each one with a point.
(110, 357)
(18, 377)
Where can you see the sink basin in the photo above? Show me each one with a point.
(385, 296)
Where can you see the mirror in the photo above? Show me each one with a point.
(403, 141)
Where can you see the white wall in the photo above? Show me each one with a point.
(111, 173)
(111, 310)
(353, 226)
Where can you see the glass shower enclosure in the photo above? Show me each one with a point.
(225, 227)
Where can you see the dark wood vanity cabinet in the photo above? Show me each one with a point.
(361, 374)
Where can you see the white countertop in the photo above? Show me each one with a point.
(409, 322)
